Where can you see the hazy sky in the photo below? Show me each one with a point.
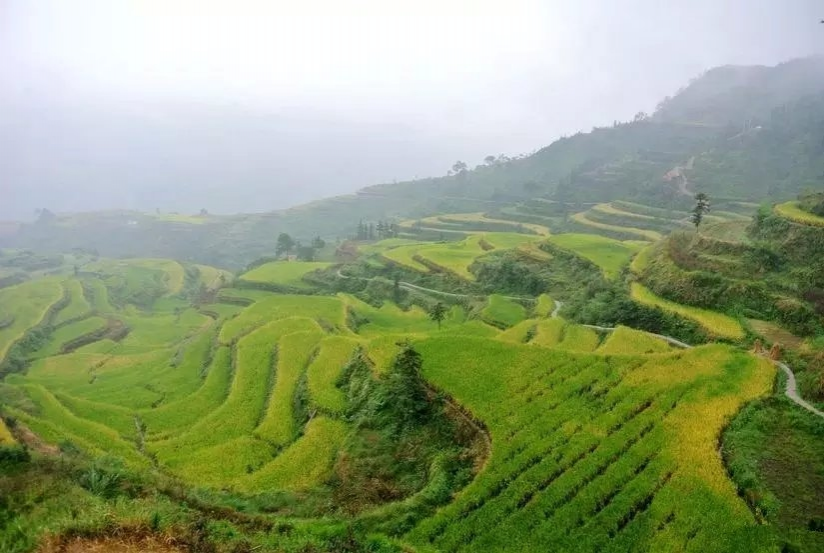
(449, 78)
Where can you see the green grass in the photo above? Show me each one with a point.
(793, 212)
(28, 303)
(78, 305)
(294, 352)
(627, 341)
(717, 324)
(325, 370)
(650, 235)
(545, 306)
(501, 311)
(328, 310)
(579, 338)
(90, 435)
(405, 256)
(549, 332)
(769, 440)
(100, 296)
(245, 405)
(284, 273)
(642, 260)
(210, 277)
(454, 257)
(180, 415)
(519, 333)
(304, 464)
(728, 231)
(608, 254)
(70, 332)
(590, 454)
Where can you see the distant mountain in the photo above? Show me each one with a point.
(736, 133)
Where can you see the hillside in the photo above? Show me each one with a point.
(539, 354)
(178, 394)
(736, 133)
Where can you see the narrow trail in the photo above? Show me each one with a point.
(791, 390)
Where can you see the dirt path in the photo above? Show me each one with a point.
(791, 390)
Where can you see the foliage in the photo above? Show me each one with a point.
(606, 304)
(285, 244)
(627, 341)
(793, 212)
(766, 442)
(594, 452)
(288, 274)
(504, 312)
(714, 323)
(438, 313)
(608, 254)
(702, 207)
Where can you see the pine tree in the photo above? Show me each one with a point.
(702, 207)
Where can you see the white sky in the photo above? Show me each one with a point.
(464, 77)
(475, 64)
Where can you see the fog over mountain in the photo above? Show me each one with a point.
(253, 106)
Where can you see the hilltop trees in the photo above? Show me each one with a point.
(285, 245)
(702, 207)
(376, 231)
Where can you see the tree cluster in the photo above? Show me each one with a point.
(304, 252)
(376, 231)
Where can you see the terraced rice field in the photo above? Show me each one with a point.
(642, 260)
(5, 435)
(594, 455)
(185, 390)
(453, 257)
(599, 441)
(472, 222)
(641, 234)
(716, 324)
(78, 304)
(501, 311)
(608, 254)
(25, 306)
(792, 211)
(285, 273)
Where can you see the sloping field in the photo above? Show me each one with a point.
(24, 306)
(503, 312)
(594, 456)
(608, 254)
(717, 324)
(627, 341)
(77, 306)
(641, 234)
(285, 273)
(5, 436)
(325, 370)
(454, 257)
(72, 331)
(473, 222)
(792, 211)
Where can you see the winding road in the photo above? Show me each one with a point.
(791, 390)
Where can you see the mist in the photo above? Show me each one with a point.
(254, 106)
